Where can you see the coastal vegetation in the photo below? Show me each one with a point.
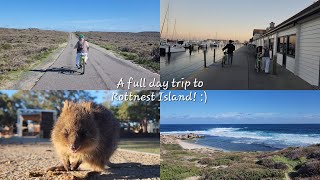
(21, 49)
(141, 48)
(294, 163)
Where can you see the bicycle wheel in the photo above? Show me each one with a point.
(83, 67)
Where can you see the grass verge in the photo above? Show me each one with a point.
(149, 145)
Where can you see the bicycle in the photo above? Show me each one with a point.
(82, 63)
(224, 59)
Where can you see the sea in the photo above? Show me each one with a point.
(182, 65)
(250, 137)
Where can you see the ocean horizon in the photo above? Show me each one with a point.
(249, 137)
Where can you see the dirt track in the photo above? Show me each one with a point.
(31, 161)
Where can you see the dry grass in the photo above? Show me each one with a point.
(142, 48)
(20, 49)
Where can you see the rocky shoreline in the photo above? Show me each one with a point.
(200, 162)
(174, 138)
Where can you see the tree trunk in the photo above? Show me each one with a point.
(144, 125)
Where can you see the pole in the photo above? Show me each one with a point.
(214, 55)
(205, 58)
(274, 63)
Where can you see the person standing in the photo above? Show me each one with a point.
(266, 59)
(230, 49)
(190, 49)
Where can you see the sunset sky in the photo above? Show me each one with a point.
(233, 19)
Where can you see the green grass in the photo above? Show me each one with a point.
(291, 163)
(129, 56)
(147, 63)
(242, 172)
(177, 171)
(149, 145)
(6, 46)
(109, 47)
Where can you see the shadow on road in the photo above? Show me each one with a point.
(63, 70)
(128, 171)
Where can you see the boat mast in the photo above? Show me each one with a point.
(174, 29)
(165, 17)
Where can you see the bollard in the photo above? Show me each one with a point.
(214, 55)
(274, 65)
(205, 58)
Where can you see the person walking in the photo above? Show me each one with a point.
(266, 59)
(190, 49)
(230, 49)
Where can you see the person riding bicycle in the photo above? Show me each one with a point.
(82, 47)
(230, 48)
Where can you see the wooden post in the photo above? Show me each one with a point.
(274, 63)
(214, 55)
(205, 58)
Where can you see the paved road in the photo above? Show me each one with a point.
(103, 71)
(242, 76)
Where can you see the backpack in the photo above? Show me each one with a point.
(233, 48)
(80, 46)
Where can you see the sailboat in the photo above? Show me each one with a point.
(165, 46)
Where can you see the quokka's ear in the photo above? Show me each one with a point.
(66, 104)
(88, 106)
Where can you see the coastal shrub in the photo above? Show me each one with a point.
(242, 172)
(129, 56)
(171, 147)
(224, 160)
(6, 46)
(176, 171)
(295, 154)
(314, 154)
(108, 47)
(269, 163)
(309, 169)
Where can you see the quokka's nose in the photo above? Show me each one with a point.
(73, 147)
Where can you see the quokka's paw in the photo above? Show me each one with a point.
(57, 168)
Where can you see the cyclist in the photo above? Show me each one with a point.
(230, 48)
(82, 47)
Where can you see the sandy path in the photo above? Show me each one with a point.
(31, 162)
(189, 146)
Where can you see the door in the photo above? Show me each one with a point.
(46, 124)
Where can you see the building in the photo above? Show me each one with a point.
(296, 42)
(35, 122)
(258, 33)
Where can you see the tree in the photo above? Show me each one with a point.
(8, 110)
(52, 100)
(143, 111)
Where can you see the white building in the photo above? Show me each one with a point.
(296, 42)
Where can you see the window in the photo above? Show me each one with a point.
(285, 44)
(282, 45)
(271, 43)
(291, 45)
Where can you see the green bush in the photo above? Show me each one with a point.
(243, 173)
(269, 163)
(215, 162)
(108, 47)
(171, 147)
(129, 56)
(6, 46)
(177, 171)
(309, 169)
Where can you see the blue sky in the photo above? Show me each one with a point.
(82, 15)
(245, 107)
